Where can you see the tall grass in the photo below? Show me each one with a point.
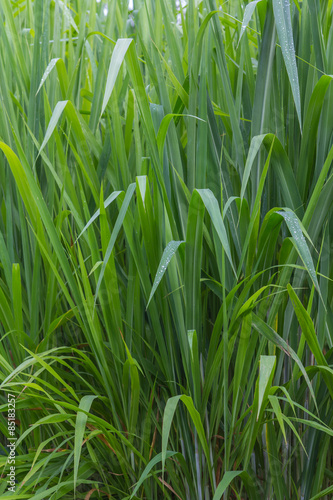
(166, 250)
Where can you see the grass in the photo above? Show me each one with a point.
(166, 249)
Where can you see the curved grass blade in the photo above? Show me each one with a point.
(311, 122)
(274, 337)
(249, 9)
(213, 209)
(116, 229)
(230, 476)
(168, 253)
(299, 242)
(117, 58)
(310, 336)
(323, 493)
(57, 61)
(80, 425)
(57, 112)
(107, 202)
(254, 148)
(278, 413)
(163, 129)
(48, 70)
(226, 480)
(149, 467)
(266, 373)
(169, 411)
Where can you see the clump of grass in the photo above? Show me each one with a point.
(165, 247)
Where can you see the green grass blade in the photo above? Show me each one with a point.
(285, 33)
(80, 425)
(168, 253)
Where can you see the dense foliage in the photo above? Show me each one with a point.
(166, 248)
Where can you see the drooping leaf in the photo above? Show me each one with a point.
(249, 9)
(117, 58)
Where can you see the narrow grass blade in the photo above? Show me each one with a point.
(149, 467)
(285, 33)
(275, 466)
(57, 112)
(272, 336)
(266, 374)
(300, 244)
(107, 202)
(116, 229)
(117, 58)
(249, 9)
(168, 253)
(226, 480)
(214, 211)
(80, 426)
(48, 70)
